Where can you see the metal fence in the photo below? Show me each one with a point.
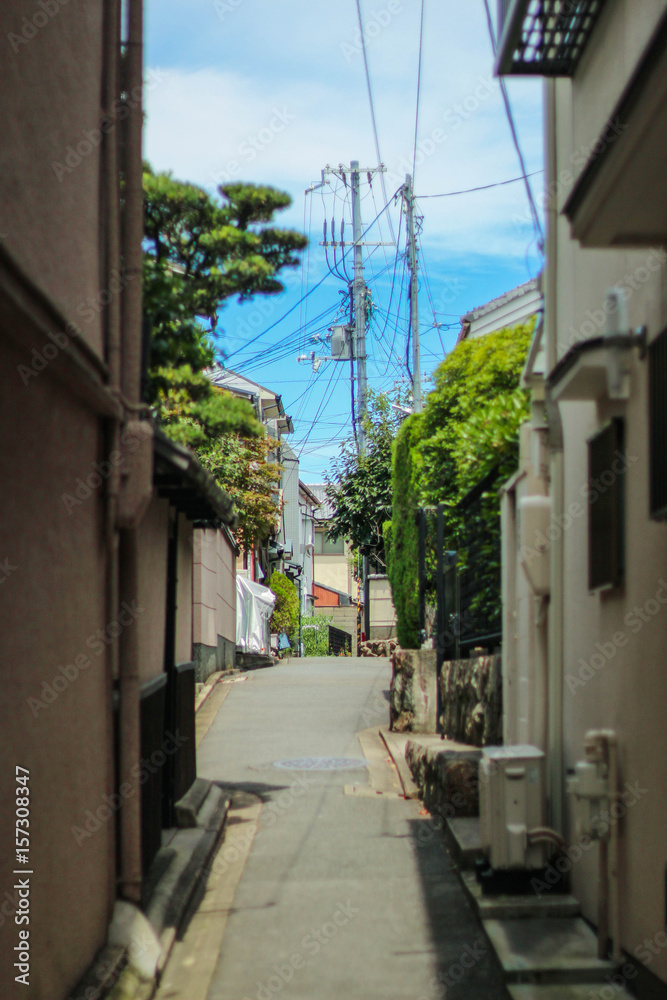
(339, 642)
(459, 576)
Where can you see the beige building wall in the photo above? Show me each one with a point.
(626, 688)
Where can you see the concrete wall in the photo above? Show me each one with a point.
(214, 601)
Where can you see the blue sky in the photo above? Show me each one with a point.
(271, 92)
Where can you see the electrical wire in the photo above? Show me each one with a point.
(316, 286)
(372, 108)
(419, 80)
(515, 138)
(482, 187)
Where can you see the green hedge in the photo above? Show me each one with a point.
(469, 426)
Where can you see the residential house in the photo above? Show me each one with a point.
(585, 539)
(516, 306)
(270, 411)
(97, 703)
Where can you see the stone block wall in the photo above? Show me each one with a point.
(471, 700)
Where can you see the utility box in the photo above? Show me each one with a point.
(340, 342)
(512, 802)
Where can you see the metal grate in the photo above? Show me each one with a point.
(545, 37)
(657, 375)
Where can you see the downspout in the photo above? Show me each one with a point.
(111, 215)
(131, 318)
(555, 626)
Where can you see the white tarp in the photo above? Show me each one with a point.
(254, 607)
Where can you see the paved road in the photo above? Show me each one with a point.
(342, 895)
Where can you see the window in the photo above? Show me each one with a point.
(325, 547)
(657, 395)
(606, 500)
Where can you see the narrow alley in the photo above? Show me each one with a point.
(322, 893)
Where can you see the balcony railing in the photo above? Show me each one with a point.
(543, 37)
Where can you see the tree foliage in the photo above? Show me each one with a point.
(285, 617)
(241, 467)
(200, 251)
(469, 427)
(359, 486)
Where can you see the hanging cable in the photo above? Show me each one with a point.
(419, 80)
(482, 187)
(537, 225)
(370, 101)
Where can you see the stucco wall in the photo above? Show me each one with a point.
(52, 609)
(383, 615)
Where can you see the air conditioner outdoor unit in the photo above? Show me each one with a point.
(512, 802)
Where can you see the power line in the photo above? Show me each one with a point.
(515, 138)
(482, 187)
(370, 101)
(315, 287)
(419, 80)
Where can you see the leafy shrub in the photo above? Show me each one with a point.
(285, 617)
(315, 635)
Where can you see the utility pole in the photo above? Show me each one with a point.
(354, 350)
(357, 329)
(409, 197)
(359, 314)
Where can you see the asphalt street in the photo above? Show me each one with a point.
(340, 894)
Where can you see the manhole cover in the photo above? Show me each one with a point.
(321, 764)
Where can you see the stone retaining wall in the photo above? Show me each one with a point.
(414, 693)
(447, 779)
(471, 700)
